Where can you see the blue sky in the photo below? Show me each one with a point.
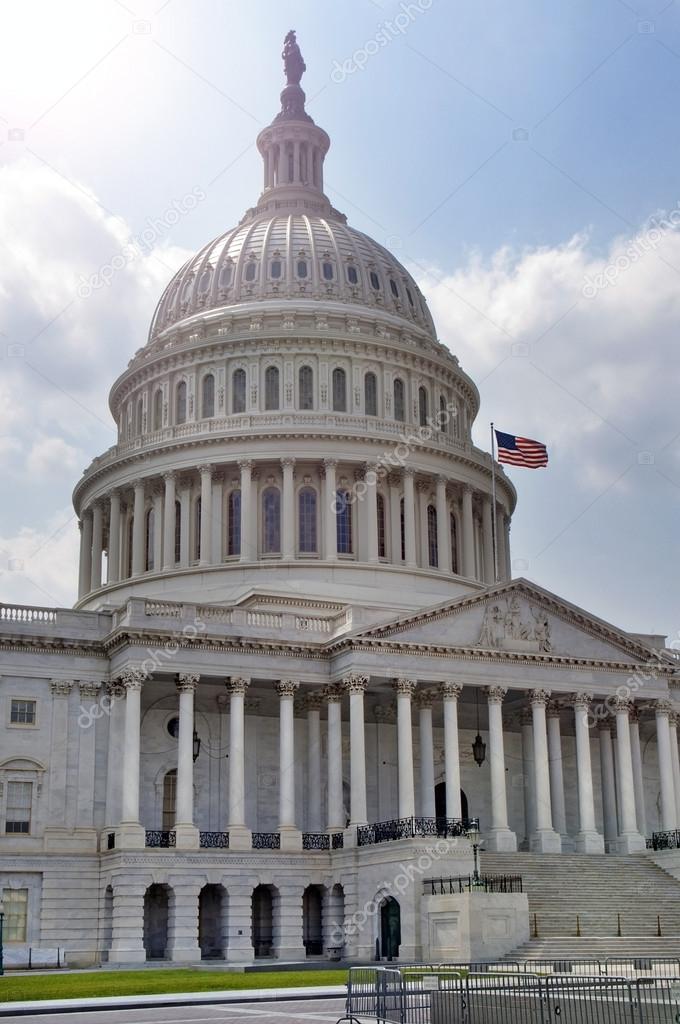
(504, 152)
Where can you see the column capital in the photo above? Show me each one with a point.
(663, 706)
(131, 680)
(206, 468)
(237, 684)
(333, 694)
(442, 481)
(287, 687)
(288, 462)
(88, 689)
(495, 694)
(115, 689)
(423, 486)
(312, 701)
(553, 709)
(450, 691)
(424, 699)
(137, 484)
(622, 705)
(408, 471)
(394, 479)
(467, 489)
(61, 687)
(355, 683)
(186, 683)
(404, 687)
(330, 463)
(539, 698)
(582, 699)
(634, 713)
(245, 464)
(169, 475)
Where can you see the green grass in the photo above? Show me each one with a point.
(151, 982)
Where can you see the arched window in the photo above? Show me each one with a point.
(181, 402)
(178, 531)
(371, 394)
(251, 271)
(302, 268)
(339, 390)
(422, 406)
(402, 530)
(454, 544)
(307, 539)
(208, 396)
(380, 507)
(275, 269)
(399, 403)
(169, 800)
(158, 409)
(271, 521)
(343, 520)
(238, 391)
(352, 275)
(139, 416)
(131, 531)
(306, 387)
(271, 387)
(150, 526)
(443, 415)
(234, 523)
(197, 530)
(432, 549)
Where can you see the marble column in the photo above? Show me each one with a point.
(424, 700)
(313, 702)
(663, 741)
(85, 567)
(113, 559)
(139, 530)
(330, 532)
(371, 499)
(410, 517)
(545, 839)
(630, 840)
(443, 526)
(205, 538)
(184, 522)
(291, 837)
(450, 693)
(468, 530)
(487, 541)
(528, 774)
(588, 840)
(673, 725)
(559, 812)
(423, 491)
(288, 510)
(248, 537)
(157, 551)
(638, 779)
(131, 832)
(97, 545)
(186, 833)
(169, 499)
(500, 837)
(59, 745)
(405, 688)
(335, 814)
(89, 695)
(115, 705)
(239, 835)
(608, 781)
(355, 685)
(394, 481)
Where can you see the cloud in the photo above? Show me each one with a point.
(52, 455)
(40, 566)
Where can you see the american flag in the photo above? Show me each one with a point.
(521, 451)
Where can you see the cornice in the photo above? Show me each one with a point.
(48, 645)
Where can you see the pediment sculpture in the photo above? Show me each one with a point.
(506, 628)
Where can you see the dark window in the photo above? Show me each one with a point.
(139, 416)
(238, 391)
(276, 269)
(271, 521)
(380, 506)
(402, 527)
(399, 403)
(443, 415)
(204, 281)
(225, 275)
(271, 387)
(181, 403)
(18, 812)
(339, 390)
(352, 275)
(371, 394)
(197, 530)
(22, 712)
(307, 521)
(158, 410)
(302, 268)
(208, 396)
(150, 527)
(178, 530)
(251, 271)
(234, 523)
(394, 288)
(343, 519)
(432, 549)
(422, 406)
(375, 281)
(306, 387)
(454, 544)
(327, 270)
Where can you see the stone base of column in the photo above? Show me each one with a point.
(589, 842)
(291, 840)
(631, 842)
(130, 836)
(349, 838)
(546, 841)
(184, 954)
(186, 837)
(501, 840)
(567, 843)
(240, 837)
(126, 956)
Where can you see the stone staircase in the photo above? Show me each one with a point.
(602, 891)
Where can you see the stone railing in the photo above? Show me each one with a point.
(311, 624)
(26, 613)
(268, 620)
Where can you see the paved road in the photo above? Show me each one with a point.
(326, 1011)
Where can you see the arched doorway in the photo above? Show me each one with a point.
(263, 921)
(390, 928)
(211, 922)
(312, 920)
(440, 802)
(156, 921)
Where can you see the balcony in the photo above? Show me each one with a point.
(413, 828)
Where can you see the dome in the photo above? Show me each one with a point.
(270, 258)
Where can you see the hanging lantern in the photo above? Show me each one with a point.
(479, 746)
(197, 745)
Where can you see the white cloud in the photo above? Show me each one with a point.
(53, 456)
(40, 566)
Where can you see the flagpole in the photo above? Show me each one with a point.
(493, 505)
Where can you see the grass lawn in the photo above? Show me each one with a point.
(150, 982)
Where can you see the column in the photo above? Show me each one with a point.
(169, 517)
(113, 560)
(500, 838)
(89, 694)
(138, 530)
(183, 919)
(205, 540)
(528, 774)
(356, 685)
(487, 541)
(157, 552)
(239, 835)
(673, 724)
(248, 536)
(544, 839)
(409, 517)
(395, 518)
(291, 838)
(503, 573)
(450, 693)
(184, 516)
(330, 531)
(131, 833)
(588, 840)
(371, 499)
(127, 930)
(313, 702)
(115, 705)
(186, 833)
(336, 817)
(443, 526)
(423, 490)
(424, 701)
(60, 690)
(468, 530)
(638, 780)
(556, 771)
(97, 545)
(405, 688)
(288, 510)
(85, 567)
(630, 840)
(663, 742)
(611, 829)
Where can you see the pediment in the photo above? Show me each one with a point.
(517, 618)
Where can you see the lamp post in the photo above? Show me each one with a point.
(2, 947)
(474, 836)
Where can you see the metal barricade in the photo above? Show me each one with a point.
(503, 999)
(590, 1000)
(566, 965)
(658, 1000)
(649, 966)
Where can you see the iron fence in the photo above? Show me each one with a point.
(316, 841)
(411, 828)
(666, 840)
(214, 840)
(468, 883)
(266, 841)
(160, 839)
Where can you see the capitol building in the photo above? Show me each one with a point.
(298, 664)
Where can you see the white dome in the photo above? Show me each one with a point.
(293, 256)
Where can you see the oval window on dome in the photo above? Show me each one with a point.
(375, 281)
(186, 289)
(225, 275)
(410, 297)
(302, 268)
(393, 288)
(275, 269)
(327, 270)
(251, 271)
(204, 280)
(352, 275)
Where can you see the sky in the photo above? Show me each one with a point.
(521, 160)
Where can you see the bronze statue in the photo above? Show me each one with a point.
(292, 59)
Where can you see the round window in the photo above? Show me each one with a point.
(173, 727)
